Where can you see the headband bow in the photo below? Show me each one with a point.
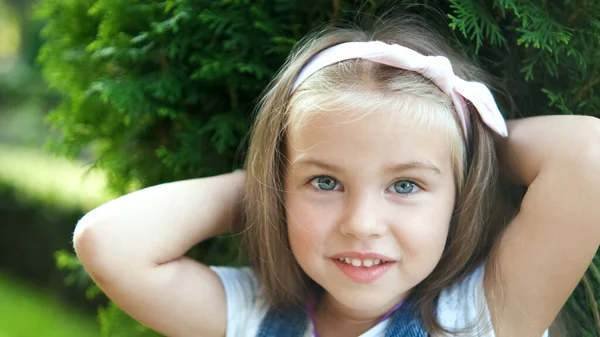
(436, 68)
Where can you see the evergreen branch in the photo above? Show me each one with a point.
(503, 5)
(577, 13)
(557, 100)
(475, 23)
(579, 94)
(540, 30)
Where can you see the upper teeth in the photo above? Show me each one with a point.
(359, 262)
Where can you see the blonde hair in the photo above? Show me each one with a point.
(480, 211)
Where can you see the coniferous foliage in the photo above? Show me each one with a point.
(164, 90)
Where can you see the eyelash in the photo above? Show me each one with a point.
(313, 178)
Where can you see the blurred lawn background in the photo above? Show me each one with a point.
(41, 197)
(26, 311)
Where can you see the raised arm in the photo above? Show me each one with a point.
(133, 248)
(548, 246)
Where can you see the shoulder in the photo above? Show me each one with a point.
(246, 307)
(463, 309)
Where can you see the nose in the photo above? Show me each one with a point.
(362, 217)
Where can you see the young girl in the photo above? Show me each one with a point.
(372, 204)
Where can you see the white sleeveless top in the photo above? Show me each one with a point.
(459, 306)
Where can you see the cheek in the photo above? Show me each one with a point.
(308, 225)
(426, 239)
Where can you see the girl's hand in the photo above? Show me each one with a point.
(548, 246)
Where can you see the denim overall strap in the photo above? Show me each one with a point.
(289, 323)
(406, 322)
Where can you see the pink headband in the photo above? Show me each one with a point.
(436, 68)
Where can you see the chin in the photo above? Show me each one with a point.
(367, 299)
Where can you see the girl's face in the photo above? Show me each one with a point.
(361, 190)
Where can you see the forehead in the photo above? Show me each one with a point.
(360, 140)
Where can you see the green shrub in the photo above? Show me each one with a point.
(163, 90)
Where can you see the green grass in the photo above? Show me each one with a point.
(28, 312)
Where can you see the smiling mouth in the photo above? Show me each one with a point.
(362, 262)
(363, 271)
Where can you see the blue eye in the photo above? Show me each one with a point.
(324, 183)
(405, 187)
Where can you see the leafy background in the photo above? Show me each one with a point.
(146, 92)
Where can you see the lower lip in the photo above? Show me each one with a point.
(364, 275)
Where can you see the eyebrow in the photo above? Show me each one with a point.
(389, 168)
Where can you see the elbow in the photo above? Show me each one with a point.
(83, 241)
(81, 229)
(87, 237)
(87, 248)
